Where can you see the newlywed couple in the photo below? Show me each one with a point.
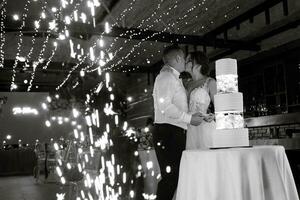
(178, 109)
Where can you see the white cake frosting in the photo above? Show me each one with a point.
(228, 107)
(230, 138)
(229, 102)
(226, 66)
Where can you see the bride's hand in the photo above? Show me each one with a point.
(209, 118)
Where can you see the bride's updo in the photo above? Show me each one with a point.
(200, 58)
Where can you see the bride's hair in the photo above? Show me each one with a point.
(198, 57)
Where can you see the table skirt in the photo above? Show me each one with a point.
(258, 173)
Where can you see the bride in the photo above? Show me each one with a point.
(201, 94)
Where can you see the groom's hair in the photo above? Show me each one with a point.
(170, 52)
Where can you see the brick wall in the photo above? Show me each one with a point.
(278, 131)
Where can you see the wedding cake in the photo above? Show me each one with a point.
(230, 131)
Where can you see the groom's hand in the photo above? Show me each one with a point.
(197, 119)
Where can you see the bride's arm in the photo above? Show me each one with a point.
(212, 87)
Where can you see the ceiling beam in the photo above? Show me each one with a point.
(156, 36)
(54, 67)
(248, 15)
(222, 54)
(166, 37)
(290, 49)
(135, 69)
(275, 31)
(23, 88)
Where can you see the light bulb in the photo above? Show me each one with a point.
(54, 9)
(16, 17)
(82, 73)
(62, 36)
(101, 43)
(47, 123)
(43, 15)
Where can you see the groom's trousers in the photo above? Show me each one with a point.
(169, 142)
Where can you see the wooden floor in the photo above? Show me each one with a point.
(25, 188)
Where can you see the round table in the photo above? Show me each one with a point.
(257, 173)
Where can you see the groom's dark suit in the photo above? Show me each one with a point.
(171, 119)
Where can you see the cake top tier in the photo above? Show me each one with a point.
(226, 66)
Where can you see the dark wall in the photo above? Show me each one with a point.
(139, 86)
(28, 128)
(270, 81)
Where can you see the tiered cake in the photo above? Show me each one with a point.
(228, 107)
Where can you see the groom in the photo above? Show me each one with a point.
(171, 120)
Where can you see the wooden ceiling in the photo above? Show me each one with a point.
(235, 28)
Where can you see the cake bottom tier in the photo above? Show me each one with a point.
(230, 138)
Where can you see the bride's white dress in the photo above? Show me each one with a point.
(199, 137)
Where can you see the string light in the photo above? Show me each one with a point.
(101, 42)
(143, 21)
(70, 72)
(43, 15)
(52, 55)
(102, 63)
(102, 60)
(83, 17)
(64, 3)
(169, 25)
(2, 32)
(54, 9)
(44, 106)
(82, 73)
(62, 37)
(67, 20)
(129, 99)
(47, 123)
(107, 27)
(60, 196)
(24, 16)
(14, 86)
(16, 17)
(51, 27)
(35, 64)
(132, 50)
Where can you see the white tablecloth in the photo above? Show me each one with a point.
(258, 173)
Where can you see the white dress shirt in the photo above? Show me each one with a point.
(170, 99)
